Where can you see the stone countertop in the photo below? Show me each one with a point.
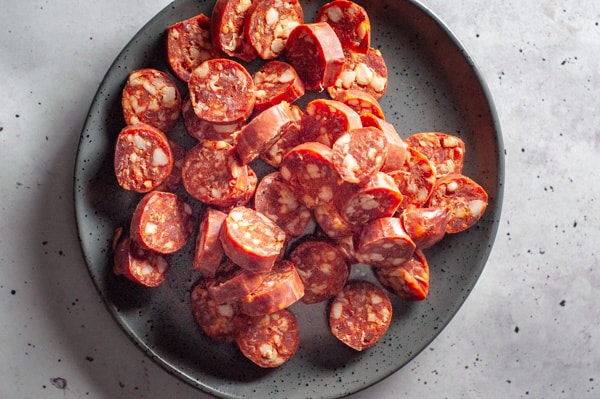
(529, 327)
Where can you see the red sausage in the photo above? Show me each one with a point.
(143, 158)
(322, 268)
(251, 240)
(408, 280)
(227, 28)
(217, 320)
(331, 222)
(467, 201)
(290, 137)
(189, 45)
(280, 288)
(360, 101)
(274, 82)
(173, 181)
(150, 96)
(396, 148)
(161, 222)
(349, 21)
(359, 153)
(269, 340)
(202, 130)
(325, 120)
(315, 52)
(269, 24)
(139, 265)
(233, 283)
(276, 200)
(384, 243)
(445, 151)
(209, 251)
(367, 72)
(360, 315)
(415, 179)
(425, 226)
(221, 91)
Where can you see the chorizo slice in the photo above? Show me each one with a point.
(396, 147)
(277, 200)
(322, 268)
(350, 22)
(315, 52)
(221, 91)
(189, 45)
(150, 96)
(269, 24)
(262, 131)
(216, 320)
(309, 170)
(331, 222)
(415, 179)
(325, 120)
(291, 136)
(384, 243)
(362, 71)
(360, 101)
(408, 280)
(361, 203)
(161, 222)
(202, 130)
(269, 340)
(445, 151)
(228, 20)
(231, 282)
(274, 82)
(137, 264)
(143, 159)
(425, 226)
(173, 181)
(359, 153)
(251, 240)
(209, 253)
(281, 287)
(360, 315)
(466, 198)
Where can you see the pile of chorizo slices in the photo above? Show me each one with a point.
(343, 187)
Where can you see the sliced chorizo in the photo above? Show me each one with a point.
(425, 226)
(228, 21)
(360, 101)
(415, 179)
(216, 320)
(360, 315)
(445, 151)
(359, 153)
(173, 181)
(408, 280)
(290, 137)
(202, 130)
(396, 147)
(362, 71)
(466, 198)
(331, 222)
(251, 240)
(208, 253)
(383, 242)
(143, 159)
(325, 120)
(137, 264)
(274, 82)
(350, 22)
(150, 96)
(231, 282)
(161, 222)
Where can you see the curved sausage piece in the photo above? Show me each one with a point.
(212, 174)
(139, 265)
(150, 96)
(143, 158)
(408, 280)
(349, 21)
(161, 222)
(232, 283)
(276, 200)
(189, 45)
(425, 226)
(360, 315)
(209, 253)
(221, 91)
(362, 71)
(274, 82)
(415, 179)
(322, 268)
(396, 148)
(445, 151)
(326, 120)
(384, 243)
(217, 320)
(308, 168)
(262, 131)
(360, 101)
(376, 198)
(290, 137)
(202, 130)
(359, 153)
(227, 28)
(269, 24)
(269, 340)
(251, 240)
(467, 201)
(316, 54)
(280, 288)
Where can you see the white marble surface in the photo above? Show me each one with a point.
(530, 328)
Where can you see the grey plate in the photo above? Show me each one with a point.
(433, 85)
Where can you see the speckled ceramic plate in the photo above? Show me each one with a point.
(433, 85)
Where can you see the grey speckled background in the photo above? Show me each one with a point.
(530, 326)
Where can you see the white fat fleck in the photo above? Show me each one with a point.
(449, 142)
(376, 299)
(226, 310)
(159, 158)
(150, 228)
(325, 194)
(346, 79)
(149, 87)
(147, 270)
(236, 216)
(397, 261)
(364, 74)
(378, 83)
(139, 142)
(267, 351)
(477, 207)
(334, 14)
(286, 76)
(372, 153)
(361, 30)
(277, 46)
(314, 172)
(336, 310)
(271, 16)
(285, 173)
(169, 95)
(452, 187)
(161, 265)
(368, 203)
(349, 168)
(202, 71)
